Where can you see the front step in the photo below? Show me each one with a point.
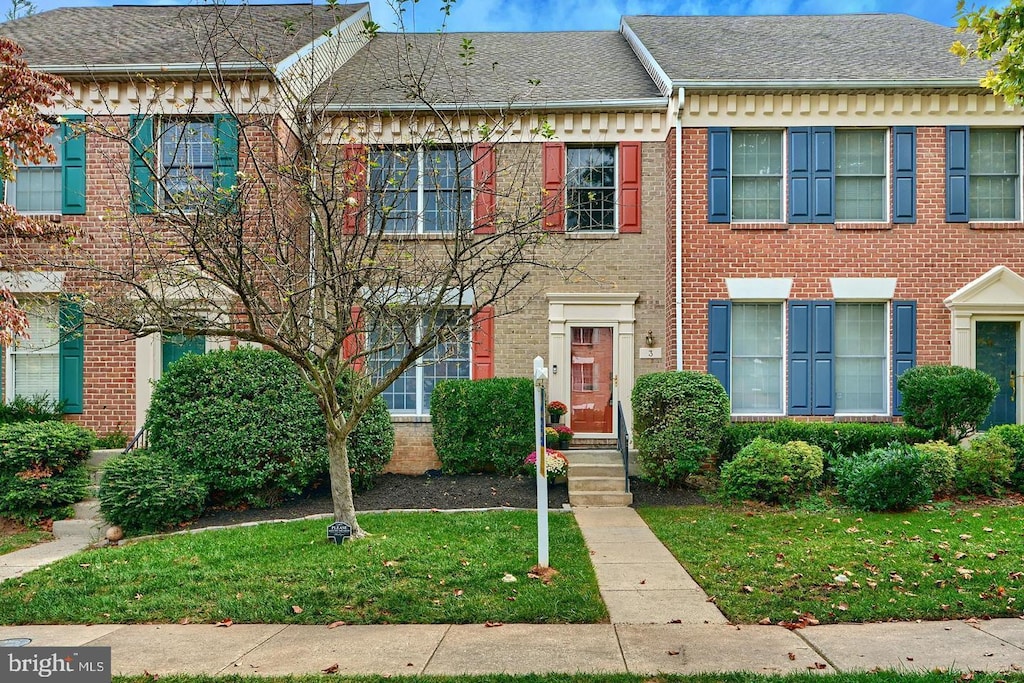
(617, 500)
(597, 479)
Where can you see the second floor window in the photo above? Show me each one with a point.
(994, 174)
(860, 175)
(757, 175)
(590, 189)
(187, 158)
(421, 191)
(36, 188)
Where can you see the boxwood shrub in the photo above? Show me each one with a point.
(42, 469)
(837, 439)
(1013, 436)
(145, 493)
(483, 424)
(948, 400)
(771, 472)
(678, 422)
(985, 465)
(247, 426)
(884, 479)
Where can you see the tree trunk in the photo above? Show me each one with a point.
(341, 482)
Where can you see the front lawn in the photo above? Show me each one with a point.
(14, 536)
(938, 564)
(416, 568)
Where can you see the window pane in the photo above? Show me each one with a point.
(757, 175)
(995, 185)
(590, 188)
(993, 197)
(35, 360)
(36, 188)
(860, 199)
(860, 152)
(187, 157)
(756, 358)
(993, 151)
(860, 358)
(860, 175)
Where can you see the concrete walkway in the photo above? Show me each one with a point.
(70, 536)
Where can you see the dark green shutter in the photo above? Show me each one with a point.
(176, 346)
(73, 167)
(143, 163)
(719, 334)
(72, 355)
(904, 345)
(957, 178)
(225, 129)
(904, 174)
(719, 191)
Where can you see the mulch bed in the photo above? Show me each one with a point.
(436, 491)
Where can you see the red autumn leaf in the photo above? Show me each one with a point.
(492, 624)
(335, 624)
(792, 656)
(332, 669)
(225, 623)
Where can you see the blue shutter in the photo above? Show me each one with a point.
(957, 178)
(719, 334)
(719, 190)
(904, 345)
(823, 358)
(904, 174)
(72, 356)
(73, 167)
(143, 159)
(823, 192)
(225, 131)
(800, 203)
(799, 358)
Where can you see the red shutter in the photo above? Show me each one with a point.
(553, 162)
(483, 343)
(629, 187)
(485, 188)
(355, 186)
(355, 343)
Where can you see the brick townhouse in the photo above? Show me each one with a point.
(802, 206)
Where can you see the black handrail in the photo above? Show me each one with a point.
(623, 443)
(140, 441)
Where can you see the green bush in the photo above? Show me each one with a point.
(247, 426)
(948, 400)
(884, 479)
(42, 468)
(772, 472)
(940, 464)
(678, 421)
(116, 439)
(1013, 436)
(372, 444)
(145, 493)
(838, 440)
(483, 424)
(985, 466)
(40, 408)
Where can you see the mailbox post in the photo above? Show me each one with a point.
(540, 378)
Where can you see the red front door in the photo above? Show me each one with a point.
(591, 406)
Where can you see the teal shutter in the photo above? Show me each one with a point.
(225, 130)
(800, 203)
(904, 174)
(176, 346)
(719, 191)
(957, 178)
(73, 167)
(72, 356)
(719, 334)
(904, 345)
(143, 162)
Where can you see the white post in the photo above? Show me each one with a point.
(540, 376)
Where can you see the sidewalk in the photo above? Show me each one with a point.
(645, 589)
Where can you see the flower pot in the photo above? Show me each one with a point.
(555, 417)
(559, 479)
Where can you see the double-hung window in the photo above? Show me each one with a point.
(861, 336)
(48, 361)
(187, 160)
(450, 359)
(590, 189)
(860, 175)
(983, 167)
(421, 190)
(757, 348)
(36, 188)
(757, 175)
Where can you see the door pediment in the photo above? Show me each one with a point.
(1000, 289)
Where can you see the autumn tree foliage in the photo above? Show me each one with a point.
(998, 38)
(24, 95)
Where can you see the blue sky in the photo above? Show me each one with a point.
(548, 15)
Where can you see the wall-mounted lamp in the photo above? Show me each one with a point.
(650, 338)
(554, 369)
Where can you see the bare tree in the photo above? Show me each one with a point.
(315, 248)
(19, 9)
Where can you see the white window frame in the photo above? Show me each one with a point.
(783, 179)
(11, 353)
(1020, 177)
(421, 191)
(886, 182)
(163, 197)
(614, 230)
(886, 365)
(784, 374)
(10, 187)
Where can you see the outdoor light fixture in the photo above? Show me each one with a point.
(650, 338)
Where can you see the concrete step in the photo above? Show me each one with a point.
(587, 469)
(87, 509)
(88, 530)
(593, 456)
(596, 484)
(620, 499)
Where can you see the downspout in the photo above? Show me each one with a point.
(679, 229)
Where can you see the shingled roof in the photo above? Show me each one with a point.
(152, 35)
(554, 69)
(844, 47)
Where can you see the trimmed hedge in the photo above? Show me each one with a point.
(985, 465)
(941, 461)
(146, 493)
(39, 408)
(948, 400)
(42, 468)
(678, 422)
(483, 424)
(1013, 436)
(244, 422)
(884, 479)
(837, 439)
(771, 472)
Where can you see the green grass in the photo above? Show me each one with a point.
(864, 677)
(930, 565)
(416, 568)
(23, 539)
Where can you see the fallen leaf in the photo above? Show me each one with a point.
(987, 530)
(991, 556)
(969, 676)
(335, 624)
(842, 607)
(457, 592)
(545, 574)
(676, 621)
(492, 624)
(296, 609)
(332, 669)
(965, 537)
(225, 623)
(509, 578)
(748, 589)
(185, 622)
(817, 665)
(673, 653)
(792, 656)
(85, 564)
(765, 622)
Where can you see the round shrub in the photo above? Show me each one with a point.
(940, 464)
(1013, 436)
(985, 466)
(884, 479)
(678, 420)
(244, 422)
(42, 469)
(948, 400)
(146, 493)
(772, 472)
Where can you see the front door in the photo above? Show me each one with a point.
(996, 354)
(177, 345)
(592, 389)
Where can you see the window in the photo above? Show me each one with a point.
(187, 156)
(590, 189)
(757, 358)
(860, 175)
(421, 190)
(450, 359)
(757, 175)
(994, 190)
(36, 188)
(861, 359)
(33, 362)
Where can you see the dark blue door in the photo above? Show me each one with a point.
(996, 354)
